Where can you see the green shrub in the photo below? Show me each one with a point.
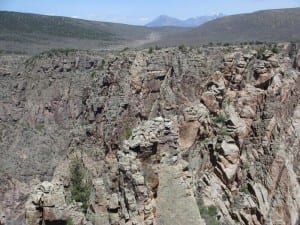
(70, 221)
(58, 51)
(260, 52)
(150, 51)
(245, 189)
(40, 127)
(128, 133)
(182, 48)
(30, 61)
(220, 119)
(94, 74)
(275, 49)
(259, 42)
(208, 213)
(125, 49)
(224, 197)
(50, 53)
(212, 211)
(81, 184)
(101, 67)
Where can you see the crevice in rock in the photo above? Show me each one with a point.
(56, 222)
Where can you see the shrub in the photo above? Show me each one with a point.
(57, 51)
(245, 189)
(128, 133)
(224, 197)
(49, 53)
(208, 213)
(275, 49)
(220, 119)
(94, 74)
(259, 42)
(157, 47)
(125, 49)
(70, 221)
(101, 67)
(81, 184)
(150, 50)
(40, 127)
(260, 52)
(182, 48)
(212, 211)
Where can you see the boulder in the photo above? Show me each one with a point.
(196, 124)
(210, 101)
(113, 202)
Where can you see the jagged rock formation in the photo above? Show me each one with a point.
(197, 136)
(47, 204)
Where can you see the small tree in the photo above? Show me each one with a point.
(81, 185)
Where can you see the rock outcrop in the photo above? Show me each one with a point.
(47, 205)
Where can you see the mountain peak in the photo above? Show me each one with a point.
(165, 20)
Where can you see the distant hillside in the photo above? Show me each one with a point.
(163, 20)
(50, 25)
(34, 33)
(269, 25)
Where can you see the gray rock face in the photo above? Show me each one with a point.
(175, 190)
(297, 61)
(46, 204)
(201, 136)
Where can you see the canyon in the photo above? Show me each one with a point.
(197, 135)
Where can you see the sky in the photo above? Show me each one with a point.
(140, 12)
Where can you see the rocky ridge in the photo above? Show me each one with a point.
(194, 135)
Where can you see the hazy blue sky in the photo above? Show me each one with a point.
(141, 11)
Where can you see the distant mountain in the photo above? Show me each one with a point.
(164, 21)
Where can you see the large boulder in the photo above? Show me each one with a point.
(210, 101)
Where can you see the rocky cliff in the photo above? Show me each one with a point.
(171, 136)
